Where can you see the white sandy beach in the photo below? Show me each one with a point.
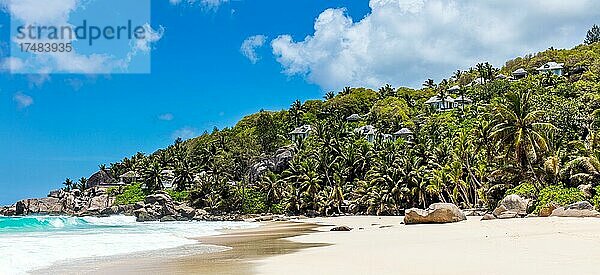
(515, 246)
(383, 246)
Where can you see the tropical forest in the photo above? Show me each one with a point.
(470, 139)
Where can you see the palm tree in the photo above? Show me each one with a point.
(329, 95)
(346, 91)
(488, 71)
(152, 177)
(184, 173)
(296, 112)
(429, 84)
(585, 166)
(386, 91)
(519, 131)
(442, 94)
(68, 183)
(82, 183)
(271, 187)
(457, 75)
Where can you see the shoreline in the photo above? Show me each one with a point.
(231, 252)
(382, 245)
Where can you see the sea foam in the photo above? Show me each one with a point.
(34, 242)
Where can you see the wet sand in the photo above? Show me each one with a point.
(234, 252)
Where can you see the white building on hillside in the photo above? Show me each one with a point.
(553, 67)
(301, 132)
(439, 104)
(369, 131)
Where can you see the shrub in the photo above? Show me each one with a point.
(277, 208)
(179, 196)
(131, 194)
(254, 202)
(596, 198)
(558, 194)
(525, 190)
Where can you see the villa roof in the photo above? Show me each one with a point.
(436, 99)
(454, 88)
(354, 117)
(129, 174)
(551, 66)
(304, 129)
(403, 131)
(501, 76)
(463, 99)
(366, 130)
(520, 71)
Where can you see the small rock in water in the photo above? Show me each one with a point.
(168, 218)
(341, 228)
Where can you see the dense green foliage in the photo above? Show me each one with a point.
(559, 195)
(180, 196)
(536, 137)
(525, 190)
(130, 194)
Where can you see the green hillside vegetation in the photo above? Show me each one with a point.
(537, 137)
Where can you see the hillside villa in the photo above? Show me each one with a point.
(369, 131)
(354, 117)
(552, 67)
(404, 133)
(519, 73)
(301, 132)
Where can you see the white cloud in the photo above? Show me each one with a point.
(185, 133)
(22, 100)
(57, 13)
(403, 42)
(166, 117)
(41, 12)
(11, 64)
(144, 45)
(249, 46)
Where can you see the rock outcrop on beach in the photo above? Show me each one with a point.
(512, 206)
(161, 207)
(436, 213)
(578, 209)
(91, 202)
(547, 210)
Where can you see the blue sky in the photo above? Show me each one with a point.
(199, 77)
(54, 126)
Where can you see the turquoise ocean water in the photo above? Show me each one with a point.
(34, 242)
